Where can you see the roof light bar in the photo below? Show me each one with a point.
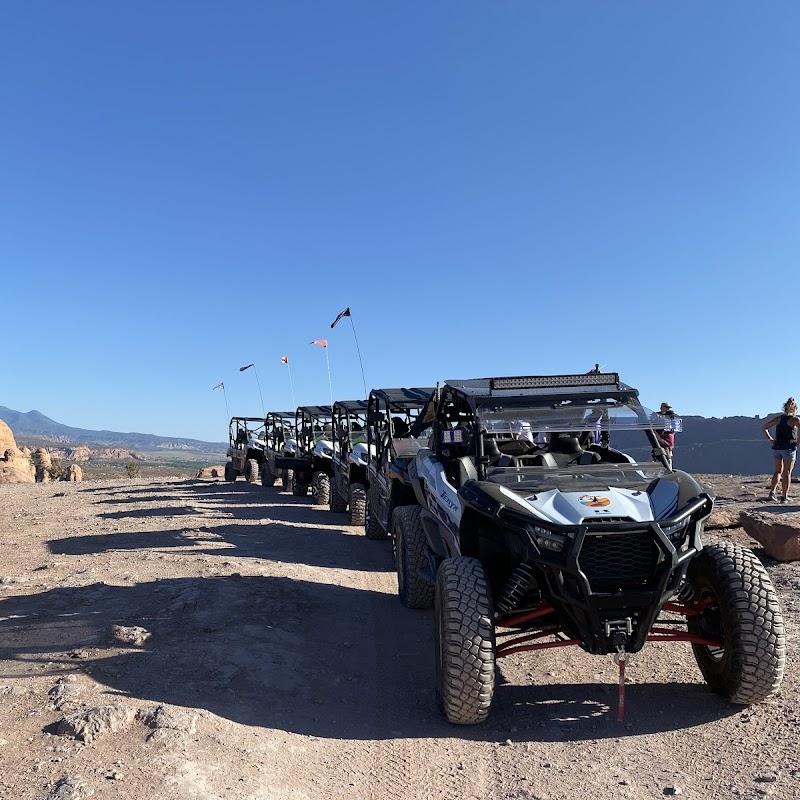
(556, 381)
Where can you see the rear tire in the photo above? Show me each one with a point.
(267, 475)
(746, 616)
(251, 470)
(338, 503)
(358, 503)
(372, 527)
(465, 642)
(321, 489)
(299, 489)
(230, 472)
(412, 554)
(287, 480)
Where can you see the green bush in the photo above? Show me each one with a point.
(58, 470)
(133, 470)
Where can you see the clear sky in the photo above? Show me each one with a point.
(494, 188)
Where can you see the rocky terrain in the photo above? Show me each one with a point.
(194, 639)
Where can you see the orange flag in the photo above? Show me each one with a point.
(284, 359)
(323, 342)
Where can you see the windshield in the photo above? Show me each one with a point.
(594, 477)
(572, 416)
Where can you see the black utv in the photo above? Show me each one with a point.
(312, 466)
(350, 458)
(532, 531)
(280, 443)
(396, 429)
(245, 448)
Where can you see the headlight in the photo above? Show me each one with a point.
(547, 540)
(327, 451)
(677, 531)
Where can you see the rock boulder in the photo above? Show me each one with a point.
(74, 473)
(15, 466)
(778, 533)
(211, 472)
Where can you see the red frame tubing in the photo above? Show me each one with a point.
(518, 643)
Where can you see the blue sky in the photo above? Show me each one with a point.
(492, 187)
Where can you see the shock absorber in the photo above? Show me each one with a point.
(515, 589)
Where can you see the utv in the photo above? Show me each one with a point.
(350, 457)
(396, 423)
(245, 448)
(312, 465)
(524, 546)
(280, 442)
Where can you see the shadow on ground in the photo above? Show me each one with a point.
(311, 658)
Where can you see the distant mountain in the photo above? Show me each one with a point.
(34, 423)
(714, 446)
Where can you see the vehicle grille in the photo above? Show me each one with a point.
(618, 561)
(604, 520)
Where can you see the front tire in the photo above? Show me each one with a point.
(465, 642)
(321, 489)
(230, 472)
(358, 503)
(287, 480)
(299, 489)
(746, 616)
(251, 470)
(412, 554)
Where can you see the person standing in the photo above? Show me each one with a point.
(784, 447)
(667, 437)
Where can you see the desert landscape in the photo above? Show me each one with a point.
(196, 639)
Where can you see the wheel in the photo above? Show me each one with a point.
(338, 503)
(372, 527)
(287, 479)
(465, 643)
(267, 475)
(299, 489)
(230, 472)
(321, 488)
(412, 553)
(358, 503)
(746, 616)
(251, 471)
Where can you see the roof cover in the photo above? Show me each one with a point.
(405, 398)
(351, 405)
(590, 384)
(316, 411)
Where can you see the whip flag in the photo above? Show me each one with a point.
(345, 313)
(242, 369)
(284, 359)
(258, 383)
(225, 395)
(324, 343)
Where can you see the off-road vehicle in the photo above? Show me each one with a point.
(350, 458)
(245, 448)
(312, 465)
(524, 547)
(396, 429)
(280, 442)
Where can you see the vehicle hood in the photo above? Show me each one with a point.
(323, 449)
(360, 455)
(572, 508)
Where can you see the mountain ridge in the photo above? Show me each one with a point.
(34, 423)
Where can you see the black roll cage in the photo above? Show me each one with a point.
(382, 405)
(276, 424)
(244, 432)
(307, 418)
(346, 414)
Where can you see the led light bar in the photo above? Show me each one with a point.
(556, 381)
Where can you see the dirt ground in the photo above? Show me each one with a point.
(198, 640)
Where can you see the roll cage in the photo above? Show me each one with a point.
(349, 426)
(279, 426)
(242, 429)
(395, 414)
(312, 423)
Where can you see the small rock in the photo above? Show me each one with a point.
(86, 726)
(673, 791)
(130, 634)
(766, 777)
(71, 787)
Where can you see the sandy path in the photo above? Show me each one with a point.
(277, 628)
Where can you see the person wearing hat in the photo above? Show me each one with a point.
(667, 438)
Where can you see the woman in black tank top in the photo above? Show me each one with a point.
(784, 447)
